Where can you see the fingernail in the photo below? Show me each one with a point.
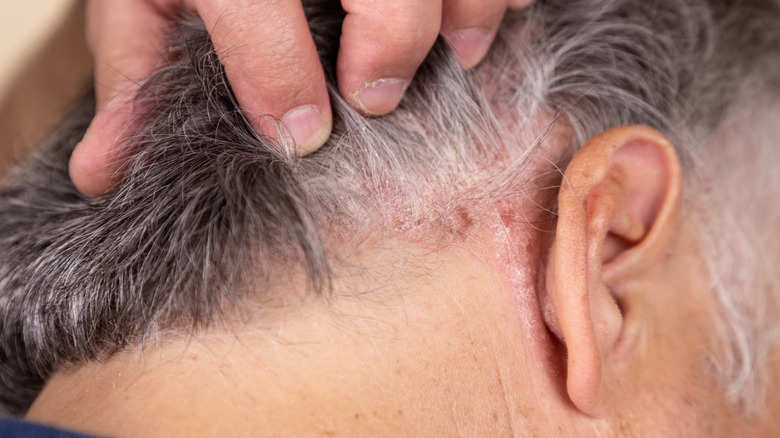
(381, 97)
(470, 45)
(307, 127)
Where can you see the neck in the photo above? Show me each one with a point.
(411, 356)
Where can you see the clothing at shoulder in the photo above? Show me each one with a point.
(14, 428)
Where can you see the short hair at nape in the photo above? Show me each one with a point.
(207, 204)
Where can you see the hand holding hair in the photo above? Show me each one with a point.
(272, 64)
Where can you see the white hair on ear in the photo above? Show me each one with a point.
(207, 203)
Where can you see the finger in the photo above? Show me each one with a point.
(382, 44)
(124, 37)
(470, 27)
(519, 4)
(95, 163)
(272, 64)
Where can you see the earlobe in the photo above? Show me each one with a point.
(617, 213)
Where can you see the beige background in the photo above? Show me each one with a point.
(44, 67)
(25, 26)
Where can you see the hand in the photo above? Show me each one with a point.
(271, 62)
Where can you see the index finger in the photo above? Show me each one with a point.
(272, 64)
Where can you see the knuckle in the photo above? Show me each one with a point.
(403, 39)
(468, 14)
(399, 23)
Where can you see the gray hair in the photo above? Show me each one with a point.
(209, 208)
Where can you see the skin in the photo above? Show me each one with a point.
(470, 339)
(272, 64)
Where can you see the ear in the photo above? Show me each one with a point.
(617, 213)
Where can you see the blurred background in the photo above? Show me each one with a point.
(44, 67)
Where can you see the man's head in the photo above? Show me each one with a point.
(432, 270)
